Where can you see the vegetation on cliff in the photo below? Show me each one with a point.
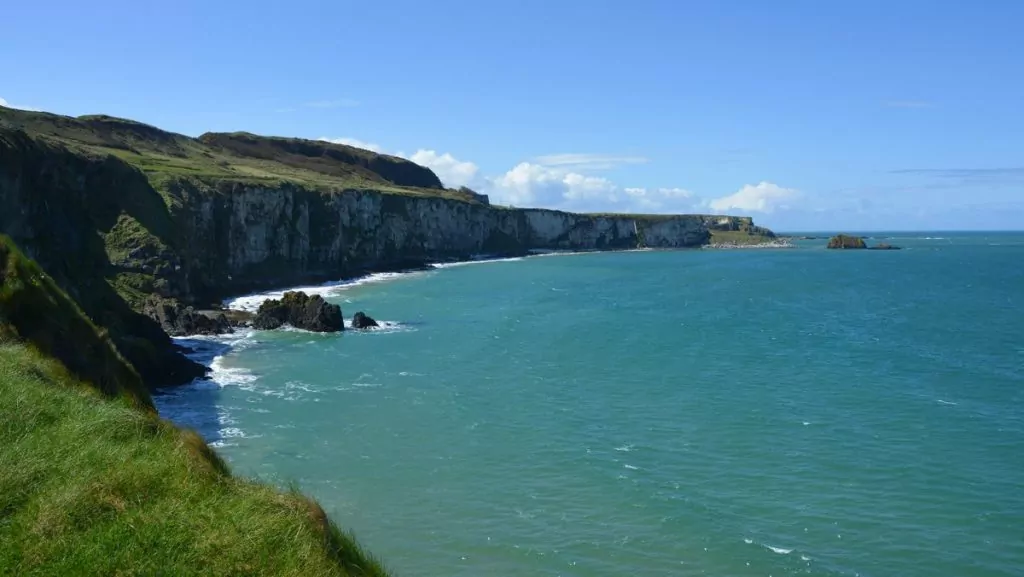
(236, 156)
(92, 481)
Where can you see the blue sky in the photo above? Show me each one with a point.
(807, 115)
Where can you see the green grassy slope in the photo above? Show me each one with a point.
(33, 309)
(238, 156)
(93, 482)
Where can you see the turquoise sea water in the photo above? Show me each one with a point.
(734, 412)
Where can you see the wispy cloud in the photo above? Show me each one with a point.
(588, 161)
(910, 104)
(954, 177)
(338, 103)
(6, 104)
(354, 142)
(963, 172)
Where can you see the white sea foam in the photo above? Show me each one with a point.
(189, 406)
(252, 302)
(475, 261)
(805, 558)
(624, 448)
(383, 327)
(748, 541)
(941, 402)
(778, 550)
(631, 467)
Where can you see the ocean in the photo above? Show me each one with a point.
(759, 412)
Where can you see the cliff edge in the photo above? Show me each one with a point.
(92, 481)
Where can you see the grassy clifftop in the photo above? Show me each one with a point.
(93, 482)
(239, 156)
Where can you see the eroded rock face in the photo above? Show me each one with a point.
(361, 321)
(296, 308)
(178, 321)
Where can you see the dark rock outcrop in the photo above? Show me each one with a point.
(845, 241)
(301, 311)
(177, 320)
(361, 321)
(884, 246)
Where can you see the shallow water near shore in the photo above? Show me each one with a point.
(767, 412)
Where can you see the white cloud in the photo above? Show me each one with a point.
(338, 103)
(452, 171)
(762, 197)
(580, 161)
(529, 184)
(354, 142)
(562, 182)
(668, 199)
(6, 104)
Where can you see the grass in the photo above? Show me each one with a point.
(94, 486)
(35, 310)
(738, 237)
(238, 157)
(92, 481)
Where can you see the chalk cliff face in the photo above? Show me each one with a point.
(238, 237)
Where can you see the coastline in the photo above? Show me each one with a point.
(250, 301)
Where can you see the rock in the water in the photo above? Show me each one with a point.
(301, 311)
(884, 246)
(361, 321)
(846, 241)
(177, 320)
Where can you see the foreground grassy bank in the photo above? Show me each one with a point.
(92, 481)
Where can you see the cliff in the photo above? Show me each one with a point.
(123, 214)
(92, 481)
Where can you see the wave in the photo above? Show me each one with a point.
(475, 261)
(251, 302)
(383, 327)
(778, 550)
(195, 405)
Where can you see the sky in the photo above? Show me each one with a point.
(807, 115)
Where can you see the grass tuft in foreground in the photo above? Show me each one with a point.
(94, 486)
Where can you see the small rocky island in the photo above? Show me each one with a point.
(361, 320)
(296, 308)
(846, 241)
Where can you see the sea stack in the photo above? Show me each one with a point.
(301, 311)
(361, 321)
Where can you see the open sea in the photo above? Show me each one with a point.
(759, 412)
